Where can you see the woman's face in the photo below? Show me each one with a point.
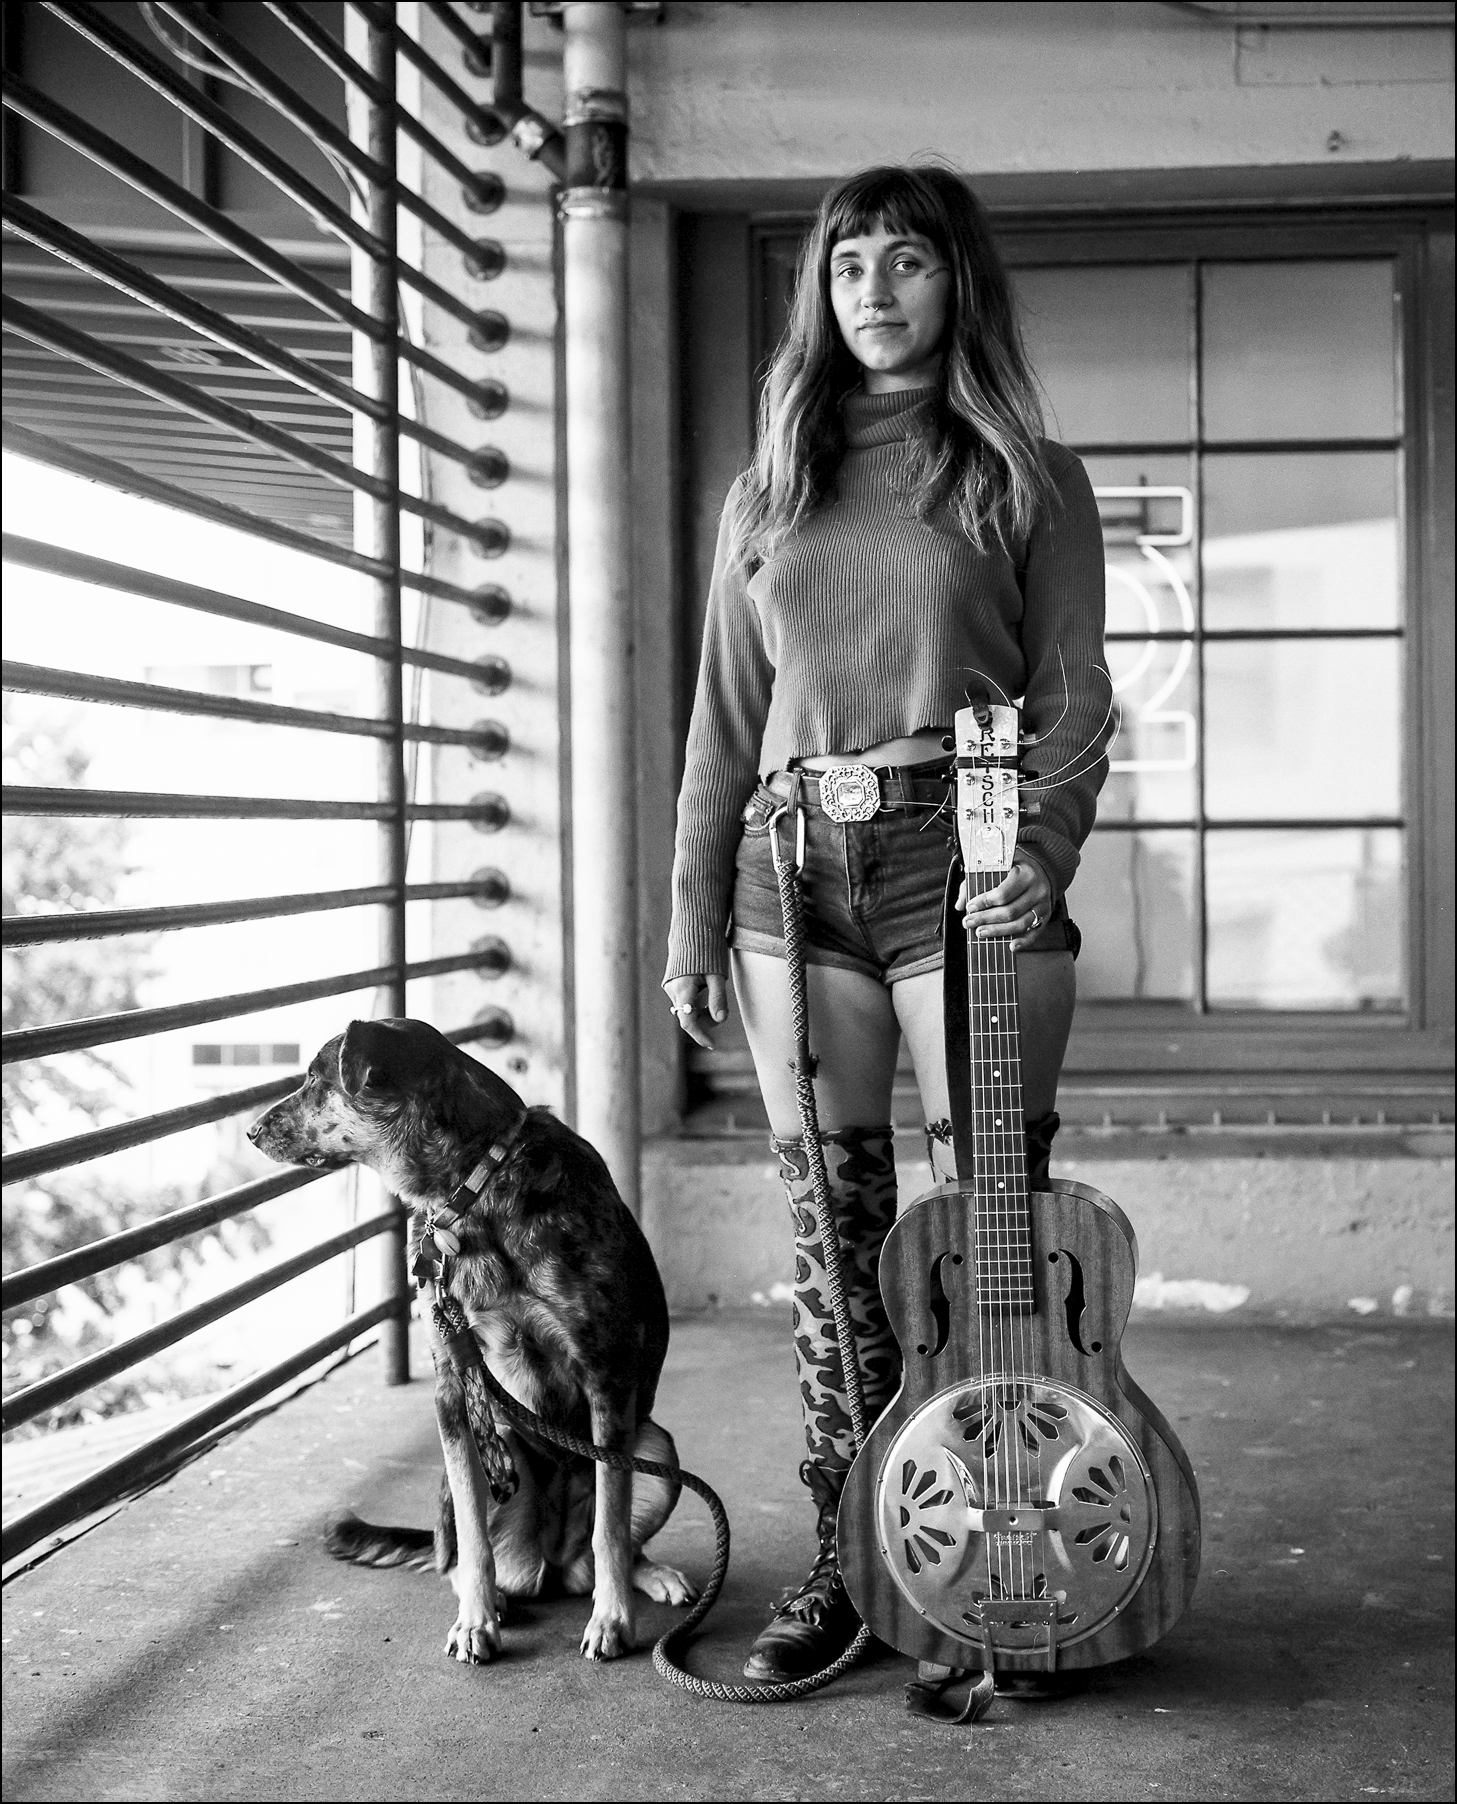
(889, 291)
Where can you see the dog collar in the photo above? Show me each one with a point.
(439, 1238)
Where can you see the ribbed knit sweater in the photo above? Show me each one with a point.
(869, 625)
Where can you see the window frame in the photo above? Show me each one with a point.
(1352, 1059)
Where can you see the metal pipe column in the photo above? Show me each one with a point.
(604, 778)
(383, 384)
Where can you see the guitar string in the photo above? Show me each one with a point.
(1006, 1257)
(990, 1072)
(985, 1323)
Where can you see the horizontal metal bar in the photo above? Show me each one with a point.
(56, 1155)
(81, 686)
(105, 923)
(383, 19)
(1312, 824)
(152, 805)
(193, 103)
(86, 1374)
(81, 136)
(58, 455)
(333, 53)
(138, 1024)
(130, 279)
(162, 1230)
(475, 45)
(78, 566)
(1244, 447)
(551, 155)
(98, 1143)
(1238, 634)
(97, 354)
(121, 1475)
(314, 124)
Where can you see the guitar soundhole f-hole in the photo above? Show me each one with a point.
(940, 1307)
(1075, 1303)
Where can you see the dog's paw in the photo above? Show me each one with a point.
(608, 1635)
(474, 1643)
(664, 1584)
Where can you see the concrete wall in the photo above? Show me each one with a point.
(730, 93)
(531, 775)
(1219, 1230)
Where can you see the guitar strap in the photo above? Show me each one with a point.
(957, 1019)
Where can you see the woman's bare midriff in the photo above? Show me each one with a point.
(918, 748)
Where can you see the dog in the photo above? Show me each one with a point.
(564, 1301)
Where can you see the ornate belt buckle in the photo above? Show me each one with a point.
(849, 792)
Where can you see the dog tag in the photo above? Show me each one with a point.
(447, 1242)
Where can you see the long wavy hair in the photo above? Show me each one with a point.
(981, 455)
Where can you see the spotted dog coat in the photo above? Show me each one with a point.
(861, 1171)
(564, 1300)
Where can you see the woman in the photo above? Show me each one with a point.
(903, 538)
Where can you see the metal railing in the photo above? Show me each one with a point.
(292, 441)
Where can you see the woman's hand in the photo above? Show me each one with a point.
(696, 1001)
(1015, 909)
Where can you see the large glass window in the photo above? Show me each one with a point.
(1241, 425)
(1264, 406)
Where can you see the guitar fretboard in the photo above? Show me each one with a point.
(1003, 1228)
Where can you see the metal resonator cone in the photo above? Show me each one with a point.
(1013, 1488)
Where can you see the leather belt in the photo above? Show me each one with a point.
(858, 792)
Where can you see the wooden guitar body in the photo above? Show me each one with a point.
(1021, 1502)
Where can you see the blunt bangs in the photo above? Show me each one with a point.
(890, 200)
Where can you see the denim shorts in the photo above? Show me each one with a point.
(873, 890)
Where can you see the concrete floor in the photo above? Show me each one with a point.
(199, 1644)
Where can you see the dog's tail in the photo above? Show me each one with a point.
(347, 1537)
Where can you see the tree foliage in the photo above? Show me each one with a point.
(55, 864)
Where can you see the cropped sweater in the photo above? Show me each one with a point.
(870, 624)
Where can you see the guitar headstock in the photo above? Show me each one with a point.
(986, 788)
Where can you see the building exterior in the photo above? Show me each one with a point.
(1231, 230)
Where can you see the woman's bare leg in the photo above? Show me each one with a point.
(1046, 992)
(853, 1031)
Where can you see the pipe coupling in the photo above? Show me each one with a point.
(588, 104)
(592, 203)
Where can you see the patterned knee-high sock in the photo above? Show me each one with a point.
(860, 1167)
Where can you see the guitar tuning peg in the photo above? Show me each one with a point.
(1026, 739)
(948, 742)
(1030, 810)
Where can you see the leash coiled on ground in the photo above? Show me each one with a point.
(452, 1326)
(451, 1322)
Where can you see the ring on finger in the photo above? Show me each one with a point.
(1036, 921)
(683, 1010)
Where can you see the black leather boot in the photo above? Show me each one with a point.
(815, 1624)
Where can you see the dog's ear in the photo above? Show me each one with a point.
(387, 1056)
(364, 1057)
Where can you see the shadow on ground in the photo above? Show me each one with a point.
(199, 1644)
